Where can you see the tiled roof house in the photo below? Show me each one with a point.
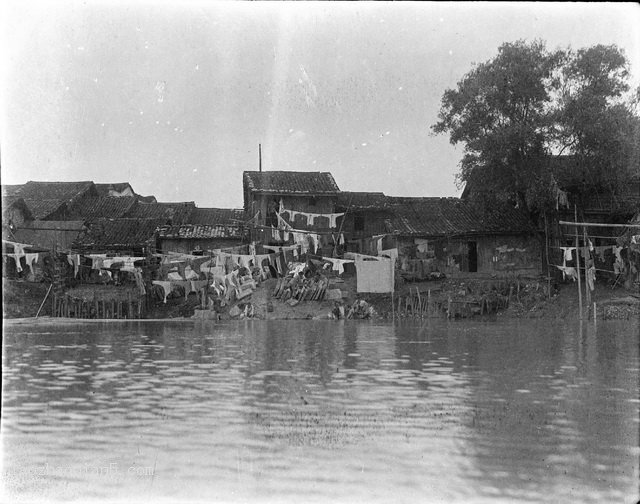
(206, 229)
(313, 192)
(52, 200)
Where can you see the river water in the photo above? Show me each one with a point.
(321, 411)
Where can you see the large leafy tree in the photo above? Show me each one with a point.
(516, 111)
(593, 121)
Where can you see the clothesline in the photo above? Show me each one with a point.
(311, 216)
(271, 228)
(582, 268)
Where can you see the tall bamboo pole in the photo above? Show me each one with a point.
(575, 209)
(586, 264)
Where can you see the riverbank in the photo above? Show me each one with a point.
(449, 298)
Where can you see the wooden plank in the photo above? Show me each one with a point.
(598, 224)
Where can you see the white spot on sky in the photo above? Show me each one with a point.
(400, 88)
(102, 125)
(141, 112)
(442, 20)
(157, 122)
(175, 129)
(450, 52)
(138, 29)
(364, 144)
(168, 123)
(66, 88)
(388, 133)
(95, 79)
(130, 122)
(197, 67)
(290, 130)
(80, 48)
(195, 170)
(160, 88)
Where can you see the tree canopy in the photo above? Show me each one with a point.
(517, 111)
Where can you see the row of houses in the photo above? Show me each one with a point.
(85, 217)
(428, 235)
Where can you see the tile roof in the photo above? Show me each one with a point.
(62, 191)
(103, 189)
(43, 208)
(109, 207)
(171, 213)
(118, 233)
(214, 216)
(11, 189)
(197, 231)
(290, 182)
(452, 216)
(45, 198)
(361, 200)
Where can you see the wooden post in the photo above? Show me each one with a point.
(575, 209)
(419, 301)
(393, 311)
(429, 303)
(129, 306)
(586, 264)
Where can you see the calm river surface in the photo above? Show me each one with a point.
(321, 411)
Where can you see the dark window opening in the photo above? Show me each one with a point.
(473, 256)
(358, 222)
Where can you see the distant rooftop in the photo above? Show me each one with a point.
(290, 182)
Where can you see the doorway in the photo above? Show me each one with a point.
(473, 256)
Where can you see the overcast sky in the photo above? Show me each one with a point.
(175, 97)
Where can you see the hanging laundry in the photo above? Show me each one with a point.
(16, 258)
(568, 271)
(174, 276)
(74, 260)
(591, 278)
(311, 217)
(600, 252)
(30, 259)
(567, 254)
(337, 264)
(166, 286)
(137, 274)
(18, 253)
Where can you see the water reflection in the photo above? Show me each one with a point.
(326, 411)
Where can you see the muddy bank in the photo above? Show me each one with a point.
(449, 299)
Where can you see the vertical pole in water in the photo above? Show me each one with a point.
(393, 308)
(587, 292)
(575, 209)
(429, 303)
